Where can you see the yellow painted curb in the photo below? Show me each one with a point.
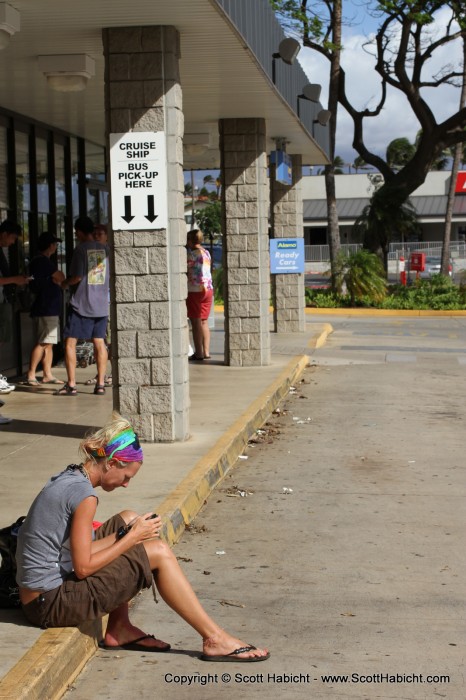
(318, 340)
(382, 312)
(58, 656)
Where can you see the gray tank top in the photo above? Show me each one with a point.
(43, 554)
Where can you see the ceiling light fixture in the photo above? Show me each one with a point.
(323, 117)
(311, 92)
(67, 72)
(10, 23)
(288, 49)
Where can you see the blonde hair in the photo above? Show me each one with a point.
(195, 236)
(94, 441)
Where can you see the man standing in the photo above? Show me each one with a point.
(46, 308)
(9, 232)
(88, 312)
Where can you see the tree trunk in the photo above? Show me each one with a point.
(332, 213)
(457, 157)
(333, 228)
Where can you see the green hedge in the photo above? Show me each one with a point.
(437, 293)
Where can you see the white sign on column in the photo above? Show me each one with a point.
(139, 180)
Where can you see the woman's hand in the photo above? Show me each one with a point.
(145, 527)
(20, 280)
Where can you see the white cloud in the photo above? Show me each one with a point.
(363, 89)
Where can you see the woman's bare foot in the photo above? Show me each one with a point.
(224, 644)
(126, 634)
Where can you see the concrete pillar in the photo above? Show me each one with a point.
(245, 199)
(148, 286)
(287, 222)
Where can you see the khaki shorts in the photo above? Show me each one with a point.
(76, 601)
(46, 329)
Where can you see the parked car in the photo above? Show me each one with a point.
(216, 254)
(432, 267)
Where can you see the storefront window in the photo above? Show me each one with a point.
(42, 175)
(4, 199)
(97, 195)
(23, 188)
(74, 176)
(23, 195)
(60, 193)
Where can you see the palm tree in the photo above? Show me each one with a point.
(359, 164)
(207, 179)
(363, 275)
(338, 164)
(380, 221)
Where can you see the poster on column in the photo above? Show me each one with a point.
(138, 169)
(286, 255)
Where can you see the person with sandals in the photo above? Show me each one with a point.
(46, 308)
(200, 294)
(88, 281)
(101, 235)
(67, 576)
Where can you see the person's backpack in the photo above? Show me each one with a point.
(9, 594)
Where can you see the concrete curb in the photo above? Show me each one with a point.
(58, 656)
(381, 312)
(52, 663)
(318, 340)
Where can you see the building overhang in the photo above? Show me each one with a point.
(221, 76)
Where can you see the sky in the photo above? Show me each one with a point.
(396, 119)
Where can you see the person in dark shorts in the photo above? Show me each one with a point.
(101, 235)
(66, 577)
(46, 308)
(88, 311)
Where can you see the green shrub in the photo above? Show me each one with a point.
(437, 293)
(323, 299)
(363, 275)
(217, 281)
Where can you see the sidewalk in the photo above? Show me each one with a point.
(227, 405)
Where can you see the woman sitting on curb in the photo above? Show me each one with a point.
(66, 577)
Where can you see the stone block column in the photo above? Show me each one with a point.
(287, 222)
(245, 199)
(148, 281)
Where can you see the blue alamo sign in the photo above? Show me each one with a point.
(286, 255)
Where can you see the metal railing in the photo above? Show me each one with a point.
(457, 249)
(321, 253)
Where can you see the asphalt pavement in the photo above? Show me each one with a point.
(175, 481)
(338, 542)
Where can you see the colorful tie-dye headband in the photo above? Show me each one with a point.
(126, 444)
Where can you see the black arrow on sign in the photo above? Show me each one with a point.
(127, 217)
(150, 216)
